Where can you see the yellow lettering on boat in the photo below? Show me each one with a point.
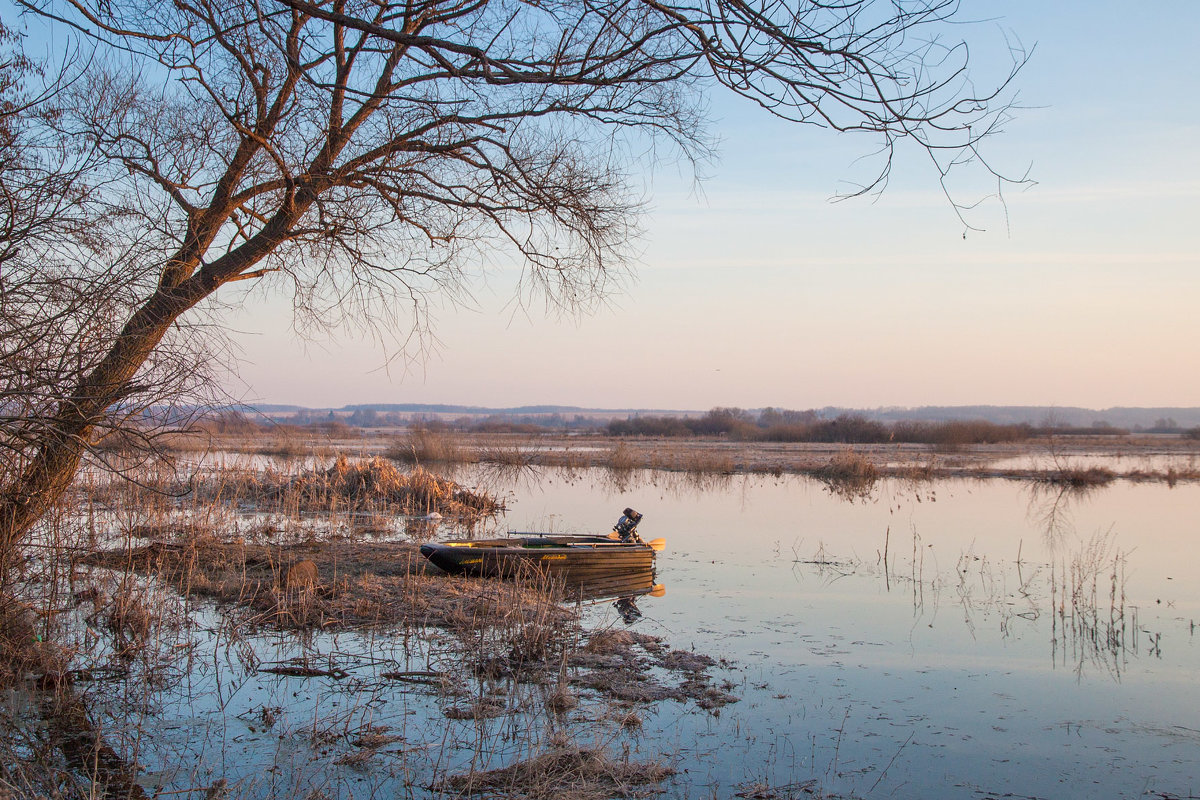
(553, 558)
(471, 561)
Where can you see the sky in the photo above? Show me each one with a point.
(756, 290)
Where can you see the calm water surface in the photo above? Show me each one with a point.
(960, 639)
(1015, 640)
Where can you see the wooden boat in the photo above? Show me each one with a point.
(597, 561)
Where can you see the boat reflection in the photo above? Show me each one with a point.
(624, 589)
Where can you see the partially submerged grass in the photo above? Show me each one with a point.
(566, 772)
(366, 485)
(356, 584)
(1081, 476)
(621, 664)
(425, 446)
(849, 474)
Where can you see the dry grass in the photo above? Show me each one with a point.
(849, 474)
(695, 461)
(508, 456)
(1081, 476)
(367, 485)
(424, 446)
(356, 585)
(566, 773)
(622, 458)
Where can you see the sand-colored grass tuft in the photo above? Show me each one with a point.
(356, 585)
(565, 773)
(1082, 476)
(377, 482)
(363, 485)
(425, 446)
(849, 474)
(622, 458)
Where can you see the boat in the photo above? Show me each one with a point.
(617, 565)
(592, 560)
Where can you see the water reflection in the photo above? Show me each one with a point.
(631, 584)
(1051, 509)
(628, 610)
(961, 622)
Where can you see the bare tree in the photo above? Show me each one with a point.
(366, 155)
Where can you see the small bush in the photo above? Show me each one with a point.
(426, 446)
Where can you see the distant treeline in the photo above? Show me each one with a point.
(768, 425)
(236, 422)
(779, 425)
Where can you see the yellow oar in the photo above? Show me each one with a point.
(658, 590)
(657, 545)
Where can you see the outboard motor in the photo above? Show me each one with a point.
(626, 526)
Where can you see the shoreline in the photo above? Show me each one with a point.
(1065, 459)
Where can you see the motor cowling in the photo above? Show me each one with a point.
(626, 526)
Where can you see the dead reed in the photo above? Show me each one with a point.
(849, 474)
(366, 485)
(565, 773)
(425, 446)
(1081, 476)
(123, 622)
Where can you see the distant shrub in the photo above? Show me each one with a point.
(774, 425)
(504, 426)
(649, 426)
(959, 432)
(1082, 476)
(1079, 431)
(229, 422)
(732, 422)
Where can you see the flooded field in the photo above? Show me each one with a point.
(938, 638)
(950, 639)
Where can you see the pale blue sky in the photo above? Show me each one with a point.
(759, 291)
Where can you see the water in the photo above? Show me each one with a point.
(956, 639)
(1027, 641)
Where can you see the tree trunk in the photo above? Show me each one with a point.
(51, 471)
(54, 467)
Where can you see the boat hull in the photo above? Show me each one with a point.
(585, 564)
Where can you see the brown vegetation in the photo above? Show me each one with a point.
(774, 425)
(565, 773)
(1082, 476)
(428, 446)
(353, 584)
(365, 485)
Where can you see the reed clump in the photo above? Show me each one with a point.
(378, 483)
(355, 585)
(1082, 476)
(565, 773)
(849, 474)
(622, 458)
(427, 446)
(374, 484)
(508, 456)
